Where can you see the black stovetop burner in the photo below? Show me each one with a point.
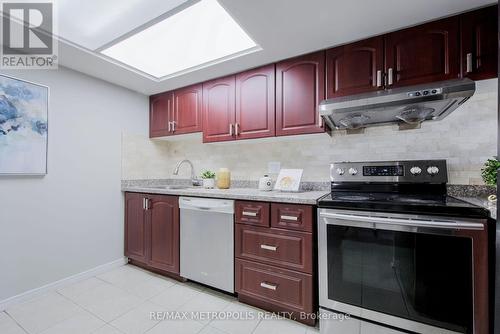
(413, 187)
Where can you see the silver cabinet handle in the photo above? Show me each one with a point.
(292, 218)
(390, 76)
(268, 286)
(379, 78)
(230, 129)
(169, 126)
(173, 126)
(469, 62)
(144, 204)
(249, 213)
(268, 247)
(236, 129)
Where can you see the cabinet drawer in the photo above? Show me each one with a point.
(292, 216)
(289, 290)
(253, 213)
(287, 249)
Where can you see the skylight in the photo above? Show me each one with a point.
(197, 36)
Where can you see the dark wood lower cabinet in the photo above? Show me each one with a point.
(164, 229)
(276, 289)
(152, 231)
(287, 249)
(275, 267)
(135, 227)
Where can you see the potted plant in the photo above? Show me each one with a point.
(208, 179)
(489, 174)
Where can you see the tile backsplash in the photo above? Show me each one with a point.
(466, 138)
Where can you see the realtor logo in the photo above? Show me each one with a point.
(28, 35)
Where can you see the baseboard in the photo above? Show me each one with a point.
(6, 303)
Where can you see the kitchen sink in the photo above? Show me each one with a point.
(173, 187)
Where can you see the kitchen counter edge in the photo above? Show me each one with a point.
(246, 194)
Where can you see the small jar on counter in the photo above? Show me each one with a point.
(223, 178)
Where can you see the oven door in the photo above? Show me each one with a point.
(411, 272)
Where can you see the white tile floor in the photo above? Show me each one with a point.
(120, 302)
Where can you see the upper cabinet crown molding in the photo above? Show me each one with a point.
(300, 87)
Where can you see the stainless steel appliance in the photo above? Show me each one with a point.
(207, 241)
(397, 254)
(407, 105)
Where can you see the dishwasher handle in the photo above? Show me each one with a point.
(206, 204)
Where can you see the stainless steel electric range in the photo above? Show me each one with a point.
(397, 254)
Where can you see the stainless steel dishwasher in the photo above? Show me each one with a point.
(207, 241)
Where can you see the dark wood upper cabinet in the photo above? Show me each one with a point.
(255, 108)
(282, 99)
(187, 110)
(355, 68)
(160, 114)
(135, 227)
(300, 87)
(423, 54)
(219, 109)
(164, 225)
(479, 56)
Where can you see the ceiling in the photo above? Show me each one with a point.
(282, 28)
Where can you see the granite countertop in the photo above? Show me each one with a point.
(482, 202)
(251, 194)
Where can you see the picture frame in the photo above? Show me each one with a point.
(24, 127)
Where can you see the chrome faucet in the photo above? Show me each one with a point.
(194, 180)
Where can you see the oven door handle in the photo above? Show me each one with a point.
(371, 222)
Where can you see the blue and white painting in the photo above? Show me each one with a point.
(23, 127)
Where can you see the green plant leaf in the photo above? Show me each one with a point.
(208, 174)
(489, 171)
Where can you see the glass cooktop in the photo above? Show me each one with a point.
(401, 203)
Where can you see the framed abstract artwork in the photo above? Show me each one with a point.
(23, 127)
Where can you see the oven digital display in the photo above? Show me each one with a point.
(383, 171)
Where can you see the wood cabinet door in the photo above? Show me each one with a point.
(255, 110)
(355, 68)
(300, 87)
(219, 109)
(423, 54)
(135, 227)
(479, 54)
(164, 232)
(160, 114)
(187, 109)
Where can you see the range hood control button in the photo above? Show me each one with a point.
(353, 171)
(415, 170)
(432, 170)
(340, 171)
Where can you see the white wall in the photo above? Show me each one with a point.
(71, 220)
(466, 138)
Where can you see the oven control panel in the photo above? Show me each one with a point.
(411, 171)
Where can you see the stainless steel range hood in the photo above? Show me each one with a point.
(408, 105)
